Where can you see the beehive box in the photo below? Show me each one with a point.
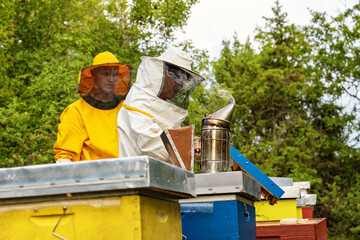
(122, 217)
(285, 207)
(130, 198)
(223, 208)
(312, 229)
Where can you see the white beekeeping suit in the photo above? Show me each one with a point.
(158, 100)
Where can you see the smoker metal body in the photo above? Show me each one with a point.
(215, 146)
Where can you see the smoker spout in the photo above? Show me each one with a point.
(226, 112)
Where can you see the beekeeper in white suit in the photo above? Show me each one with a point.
(158, 100)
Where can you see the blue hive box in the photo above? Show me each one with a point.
(223, 209)
(230, 219)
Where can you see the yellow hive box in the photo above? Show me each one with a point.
(299, 213)
(122, 217)
(284, 208)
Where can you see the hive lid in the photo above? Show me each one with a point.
(227, 183)
(270, 190)
(282, 181)
(118, 174)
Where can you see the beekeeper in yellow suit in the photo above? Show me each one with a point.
(87, 129)
(158, 100)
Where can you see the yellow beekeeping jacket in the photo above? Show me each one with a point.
(87, 133)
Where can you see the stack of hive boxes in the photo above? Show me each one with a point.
(131, 198)
(223, 208)
(306, 202)
(296, 202)
(292, 216)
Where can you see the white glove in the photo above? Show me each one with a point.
(63, 160)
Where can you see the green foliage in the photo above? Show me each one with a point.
(336, 46)
(287, 118)
(44, 44)
(336, 54)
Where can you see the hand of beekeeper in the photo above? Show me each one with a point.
(197, 149)
(63, 160)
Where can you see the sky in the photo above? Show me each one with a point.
(212, 21)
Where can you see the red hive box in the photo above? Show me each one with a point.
(314, 229)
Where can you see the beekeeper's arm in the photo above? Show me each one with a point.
(144, 134)
(71, 136)
(63, 160)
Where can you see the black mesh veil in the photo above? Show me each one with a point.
(177, 85)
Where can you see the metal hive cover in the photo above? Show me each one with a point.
(226, 183)
(97, 175)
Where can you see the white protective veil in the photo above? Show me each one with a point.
(158, 100)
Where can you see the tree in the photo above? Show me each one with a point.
(287, 121)
(44, 45)
(336, 51)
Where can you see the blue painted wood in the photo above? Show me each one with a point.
(225, 220)
(252, 170)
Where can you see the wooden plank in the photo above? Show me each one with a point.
(179, 144)
(320, 230)
(271, 191)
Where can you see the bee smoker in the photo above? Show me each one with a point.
(215, 140)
